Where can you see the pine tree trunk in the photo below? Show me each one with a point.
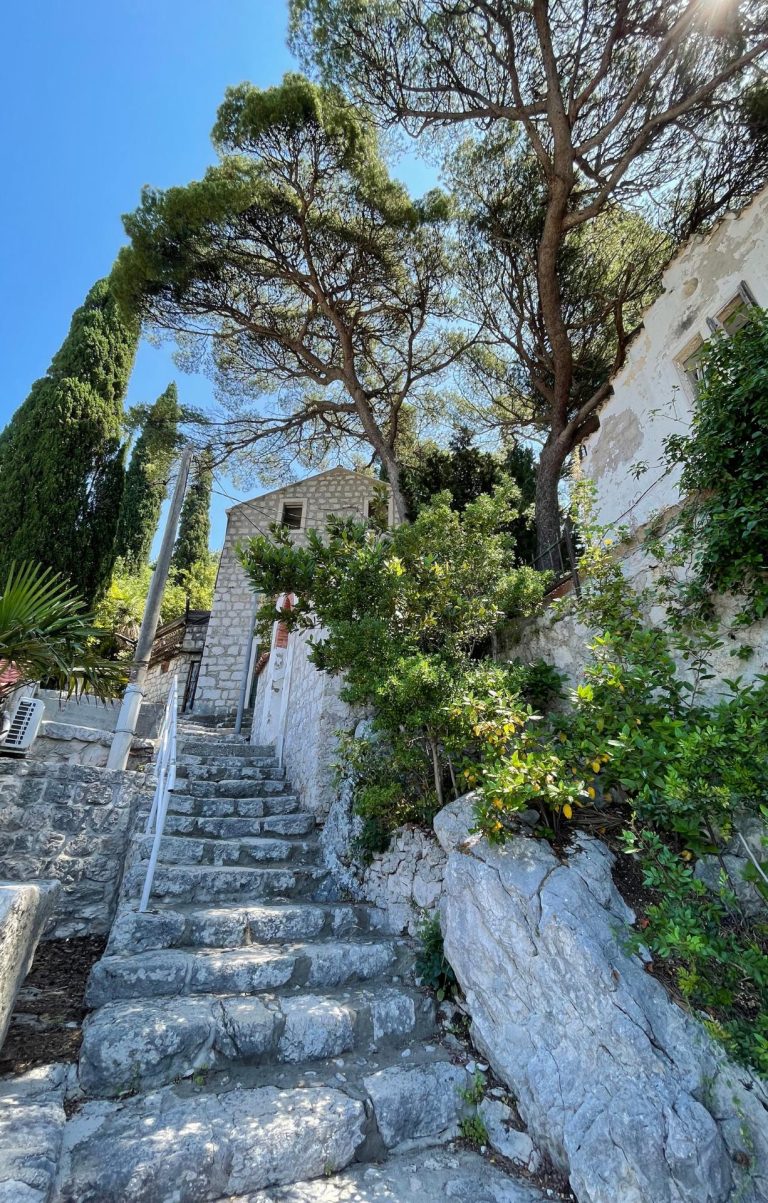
(548, 508)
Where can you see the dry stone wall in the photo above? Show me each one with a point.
(71, 823)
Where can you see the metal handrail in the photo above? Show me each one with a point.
(166, 780)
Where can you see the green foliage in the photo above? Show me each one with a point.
(638, 736)
(121, 608)
(720, 960)
(47, 635)
(195, 524)
(431, 964)
(62, 456)
(146, 480)
(403, 615)
(473, 1130)
(305, 266)
(724, 459)
(465, 472)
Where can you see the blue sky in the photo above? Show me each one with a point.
(98, 98)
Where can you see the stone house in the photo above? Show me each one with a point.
(710, 285)
(177, 649)
(294, 707)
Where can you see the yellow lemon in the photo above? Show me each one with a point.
(568, 810)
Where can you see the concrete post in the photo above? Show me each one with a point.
(125, 728)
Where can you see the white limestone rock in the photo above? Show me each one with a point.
(24, 910)
(31, 1127)
(626, 1092)
(505, 1138)
(421, 1103)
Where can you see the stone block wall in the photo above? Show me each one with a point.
(71, 823)
(338, 492)
(558, 636)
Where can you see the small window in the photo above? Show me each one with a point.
(693, 366)
(736, 315)
(292, 515)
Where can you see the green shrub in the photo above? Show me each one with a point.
(431, 964)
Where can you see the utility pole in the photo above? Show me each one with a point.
(125, 728)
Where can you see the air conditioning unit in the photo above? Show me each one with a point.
(25, 725)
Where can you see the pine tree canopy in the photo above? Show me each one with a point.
(62, 454)
(195, 524)
(146, 480)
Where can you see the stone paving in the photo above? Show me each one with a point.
(253, 1030)
(252, 1035)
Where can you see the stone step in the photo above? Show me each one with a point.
(253, 850)
(197, 1145)
(227, 808)
(246, 970)
(239, 769)
(225, 883)
(433, 1177)
(164, 1146)
(210, 749)
(230, 828)
(144, 1044)
(233, 787)
(235, 926)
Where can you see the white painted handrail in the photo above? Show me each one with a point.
(166, 780)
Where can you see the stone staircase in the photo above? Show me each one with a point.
(253, 1031)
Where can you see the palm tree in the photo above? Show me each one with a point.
(47, 635)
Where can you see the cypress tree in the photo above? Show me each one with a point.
(146, 480)
(62, 455)
(195, 524)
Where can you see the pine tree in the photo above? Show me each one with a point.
(62, 455)
(195, 525)
(146, 480)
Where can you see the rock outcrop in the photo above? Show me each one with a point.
(625, 1091)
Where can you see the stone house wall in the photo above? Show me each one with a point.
(560, 638)
(652, 395)
(338, 491)
(70, 823)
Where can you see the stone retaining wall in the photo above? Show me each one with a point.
(71, 823)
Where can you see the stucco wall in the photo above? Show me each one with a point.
(336, 492)
(314, 716)
(652, 397)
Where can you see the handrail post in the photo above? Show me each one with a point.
(166, 780)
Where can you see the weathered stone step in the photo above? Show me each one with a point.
(162, 1147)
(144, 1044)
(246, 970)
(210, 749)
(253, 770)
(187, 1146)
(229, 827)
(253, 850)
(433, 1177)
(225, 883)
(223, 808)
(233, 926)
(234, 787)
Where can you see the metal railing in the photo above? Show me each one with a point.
(166, 780)
(560, 558)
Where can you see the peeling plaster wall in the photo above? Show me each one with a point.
(652, 398)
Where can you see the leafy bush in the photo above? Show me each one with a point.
(431, 964)
(403, 616)
(720, 959)
(724, 463)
